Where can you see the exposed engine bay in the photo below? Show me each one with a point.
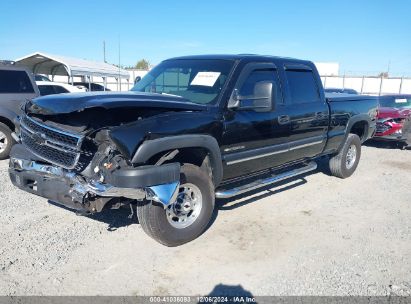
(77, 155)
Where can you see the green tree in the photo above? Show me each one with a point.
(143, 64)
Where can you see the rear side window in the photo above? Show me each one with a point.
(302, 85)
(15, 82)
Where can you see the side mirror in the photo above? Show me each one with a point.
(260, 101)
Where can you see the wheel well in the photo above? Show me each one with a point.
(360, 128)
(196, 156)
(7, 122)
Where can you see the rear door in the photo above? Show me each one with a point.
(253, 139)
(307, 110)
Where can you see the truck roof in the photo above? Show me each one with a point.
(239, 57)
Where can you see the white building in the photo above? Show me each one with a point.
(328, 68)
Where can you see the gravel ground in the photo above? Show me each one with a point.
(316, 235)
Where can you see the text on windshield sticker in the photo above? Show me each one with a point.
(207, 79)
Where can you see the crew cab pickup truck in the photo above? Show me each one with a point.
(192, 130)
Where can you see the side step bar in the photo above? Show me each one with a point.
(227, 193)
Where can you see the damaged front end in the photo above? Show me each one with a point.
(390, 128)
(84, 172)
(394, 124)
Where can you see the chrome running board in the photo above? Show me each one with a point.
(227, 193)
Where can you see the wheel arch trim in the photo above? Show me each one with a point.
(8, 118)
(353, 120)
(152, 147)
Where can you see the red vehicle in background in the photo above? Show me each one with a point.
(394, 119)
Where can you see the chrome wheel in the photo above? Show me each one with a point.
(3, 142)
(187, 207)
(351, 157)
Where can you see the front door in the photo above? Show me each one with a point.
(255, 139)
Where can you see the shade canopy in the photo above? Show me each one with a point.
(41, 63)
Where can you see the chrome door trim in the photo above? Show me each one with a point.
(294, 145)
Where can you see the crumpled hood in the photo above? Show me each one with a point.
(77, 102)
(385, 112)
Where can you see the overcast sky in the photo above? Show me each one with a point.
(363, 36)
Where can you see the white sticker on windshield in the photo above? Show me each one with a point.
(401, 100)
(207, 79)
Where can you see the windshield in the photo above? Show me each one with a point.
(396, 102)
(41, 78)
(199, 81)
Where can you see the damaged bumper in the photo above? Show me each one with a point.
(391, 130)
(158, 183)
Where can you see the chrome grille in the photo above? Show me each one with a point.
(55, 146)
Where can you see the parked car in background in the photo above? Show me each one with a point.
(39, 77)
(342, 91)
(193, 129)
(49, 88)
(394, 119)
(16, 86)
(93, 86)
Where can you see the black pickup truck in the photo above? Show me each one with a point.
(193, 129)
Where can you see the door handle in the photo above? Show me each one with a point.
(283, 119)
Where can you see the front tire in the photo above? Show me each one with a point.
(187, 217)
(346, 161)
(6, 141)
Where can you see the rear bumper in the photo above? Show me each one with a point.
(76, 192)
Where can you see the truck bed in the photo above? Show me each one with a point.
(338, 97)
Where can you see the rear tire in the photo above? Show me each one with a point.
(346, 161)
(181, 222)
(6, 141)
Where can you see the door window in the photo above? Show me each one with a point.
(302, 85)
(248, 88)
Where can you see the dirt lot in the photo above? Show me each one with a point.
(317, 235)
